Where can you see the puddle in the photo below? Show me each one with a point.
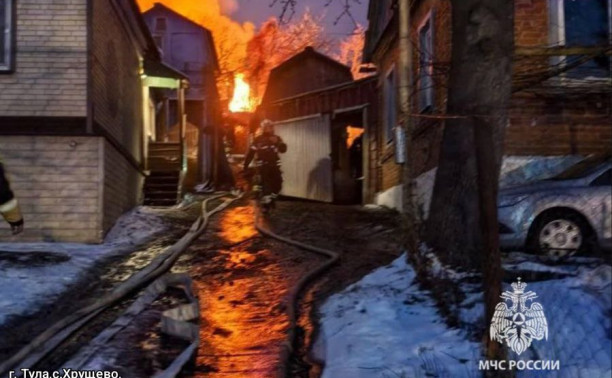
(242, 282)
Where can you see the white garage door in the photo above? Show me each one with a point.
(307, 168)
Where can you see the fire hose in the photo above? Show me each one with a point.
(174, 321)
(294, 295)
(46, 342)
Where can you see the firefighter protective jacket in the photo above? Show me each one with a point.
(267, 148)
(9, 207)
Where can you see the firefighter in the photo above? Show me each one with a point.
(265, 148)
(9, 208)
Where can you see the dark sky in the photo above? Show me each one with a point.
(258, 11)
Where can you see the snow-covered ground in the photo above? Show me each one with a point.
(384, 326)
(577, 300)
(33, 275)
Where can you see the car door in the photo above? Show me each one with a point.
(601, 187)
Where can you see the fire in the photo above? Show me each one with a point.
(230, 37)
(241, 101)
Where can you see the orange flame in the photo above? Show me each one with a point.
(241, 101)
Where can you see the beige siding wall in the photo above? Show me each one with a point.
(50, 77)
(58, 182)
(117, 87)
(117, 97)
(122, 186)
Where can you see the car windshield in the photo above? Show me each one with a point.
(582, 169)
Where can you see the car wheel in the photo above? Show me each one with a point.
(560, 234)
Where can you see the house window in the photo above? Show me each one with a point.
(390, 104)
(581, 23)
(426, 85)
(7, 33)
(160, 24)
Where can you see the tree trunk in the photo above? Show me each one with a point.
(479, 91)
(462, 226)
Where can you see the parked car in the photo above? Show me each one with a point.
(569, 213)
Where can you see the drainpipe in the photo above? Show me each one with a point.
(406, 128)
(183, 123)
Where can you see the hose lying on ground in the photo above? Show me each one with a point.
(43, 344)
(175, 322)
(294, 295)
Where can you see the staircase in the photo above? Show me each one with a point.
(163, 185)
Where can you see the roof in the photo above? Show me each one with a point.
(278, 86)
(152, 51)
(207, 32)
(309, 52)
(159, 69)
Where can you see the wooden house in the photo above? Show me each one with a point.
(306, 71)
(190, 48)
(321, 113)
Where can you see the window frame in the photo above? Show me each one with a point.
(557, 31)
(158, 22)
(390, 105)
(426, 96)
(9, 38)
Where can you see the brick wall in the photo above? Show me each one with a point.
(428, 131)
(50, 76)
(543, 124)
(559, 125)
(117, 88)
(58, 183)
(531, 22)
(388, 171)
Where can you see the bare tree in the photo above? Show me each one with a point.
(276, 42)
(288, 9)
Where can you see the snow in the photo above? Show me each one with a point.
(390, 198)
(578, 310)
(26, 287)
(385, 326)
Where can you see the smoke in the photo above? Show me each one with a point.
(229, 6)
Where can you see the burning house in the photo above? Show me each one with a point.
(189, 47)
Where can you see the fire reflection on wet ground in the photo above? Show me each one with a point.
(243, 290)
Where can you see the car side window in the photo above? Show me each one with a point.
(605, 179)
